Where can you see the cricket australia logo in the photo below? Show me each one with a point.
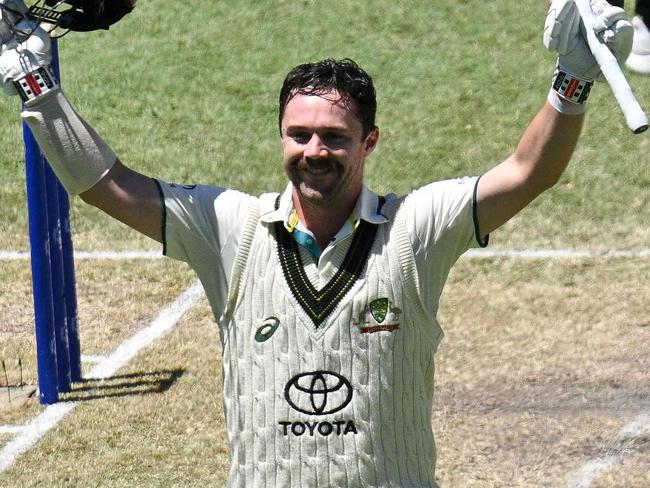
(379, 315)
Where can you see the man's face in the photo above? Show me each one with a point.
(324, 150)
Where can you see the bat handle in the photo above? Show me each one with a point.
(635, 117)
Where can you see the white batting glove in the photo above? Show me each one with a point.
(564, 34)
(25, 66)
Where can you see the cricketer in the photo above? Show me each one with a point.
(325, 293)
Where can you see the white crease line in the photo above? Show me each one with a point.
(165, 320)
(470, 254)
(636, 427)
(32, 432)
(555, 253)
(592, 468)
(11, 429)
(106, 255)
(89, 358)
(118, 255)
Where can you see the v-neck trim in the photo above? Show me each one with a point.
(319, 304)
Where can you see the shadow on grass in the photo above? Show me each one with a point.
(139, 383)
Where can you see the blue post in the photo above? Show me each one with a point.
(41, 273)
(53, 277)
(67, 251)
(58, 286)
(70, 286)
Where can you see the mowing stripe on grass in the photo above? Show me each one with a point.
(31, 433)
(106, 255)
(630, 431)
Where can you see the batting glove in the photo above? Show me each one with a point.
(564, 33)
(25, 66)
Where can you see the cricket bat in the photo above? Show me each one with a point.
(635, 117)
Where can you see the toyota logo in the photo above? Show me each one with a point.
(318, 393)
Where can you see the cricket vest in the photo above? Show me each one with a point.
(329, 387)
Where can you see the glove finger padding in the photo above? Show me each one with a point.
(560, 35)
(561, 26)
(615, 30)
(27, 56)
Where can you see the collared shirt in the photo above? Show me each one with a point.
(203, 225)
(365, 208)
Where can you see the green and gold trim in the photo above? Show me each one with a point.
(318, 304)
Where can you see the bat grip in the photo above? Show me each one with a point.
(635, 117)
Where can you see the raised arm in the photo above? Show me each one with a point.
(131, 198)
(83, 162)
(547, 144)
(541, 157)
(87, 166)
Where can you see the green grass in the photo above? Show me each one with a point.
(189, 94)
(541, 366)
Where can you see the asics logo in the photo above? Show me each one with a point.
(267, 329)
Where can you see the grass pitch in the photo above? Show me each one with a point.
(542, 364)
(189, 94)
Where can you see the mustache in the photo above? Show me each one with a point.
(304, 162)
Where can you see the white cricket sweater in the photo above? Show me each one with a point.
(333, 387)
